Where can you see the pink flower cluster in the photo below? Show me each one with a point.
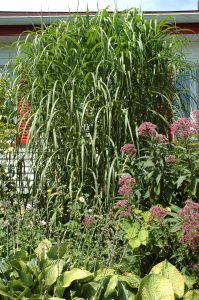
(158, 213)
(147, 129)
(161, 138)
(190, 224)
(183, 127)
(128, 149)
(127, 180)
(121, 204)
(126, 184)
(88, 220)
(170, 160)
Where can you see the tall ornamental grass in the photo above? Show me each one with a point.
(89, 80)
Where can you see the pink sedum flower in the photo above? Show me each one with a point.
(183, 128)
(127, 213)
(147, 129)
(127, 180)
(161, 138)
(195, 119)
(158, 212)
(190, 224)
(128, 149)
(88, 220)
(125, 190)
(121, 204)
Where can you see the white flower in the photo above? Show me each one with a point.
(29, 206)
(43, 223)
(90, 210)
(82, 199)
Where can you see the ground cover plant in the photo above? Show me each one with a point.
(108, 188)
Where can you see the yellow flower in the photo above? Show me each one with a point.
(49, 191)
(22, 212)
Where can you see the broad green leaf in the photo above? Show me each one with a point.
(180, 180)
(133, 231)
(191, 295)
(189, 281)
(88, 290)
(111, 286)
(172, 274)
(26, 278)
(57, 251)
(22, 254)
(75, 274)
(42, 249)
(50, 274)
(146, 216)
(130, 279)
(102, 273)
(56, 298)
(143, 236)
(17, 264)
(155, 287)
(134, 243)
(122, 292)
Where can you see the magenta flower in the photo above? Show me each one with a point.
(128, 149)
(125, 190)
(170, 160)
(161, 138)
(195, 119)
(183, 127)
(127, 213)
(121, 204)
(158, 212)
(190, 224)
(147, 129)
(127, 180)
(88, 220)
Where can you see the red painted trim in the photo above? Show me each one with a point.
(44, 14)
(7, 30)
(189, 28)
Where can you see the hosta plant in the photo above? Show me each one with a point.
(49, 274)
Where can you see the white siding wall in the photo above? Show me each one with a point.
(7, 52)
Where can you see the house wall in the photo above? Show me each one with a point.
(7, 52)
(191, 48)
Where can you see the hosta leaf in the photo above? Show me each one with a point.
(170, 272)
(50, 274)
(143, 236)
(191, 295)
(102, 273)
(130, 279)
(57, 251)
(131, 296)
(56, 298)
(155, 286)
(133, 231)
(75, 274)
(189, 281)
(42, 249)
(122, 292)
(111, 286)
(88, 290)
(134, 243)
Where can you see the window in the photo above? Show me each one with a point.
(188, 91)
